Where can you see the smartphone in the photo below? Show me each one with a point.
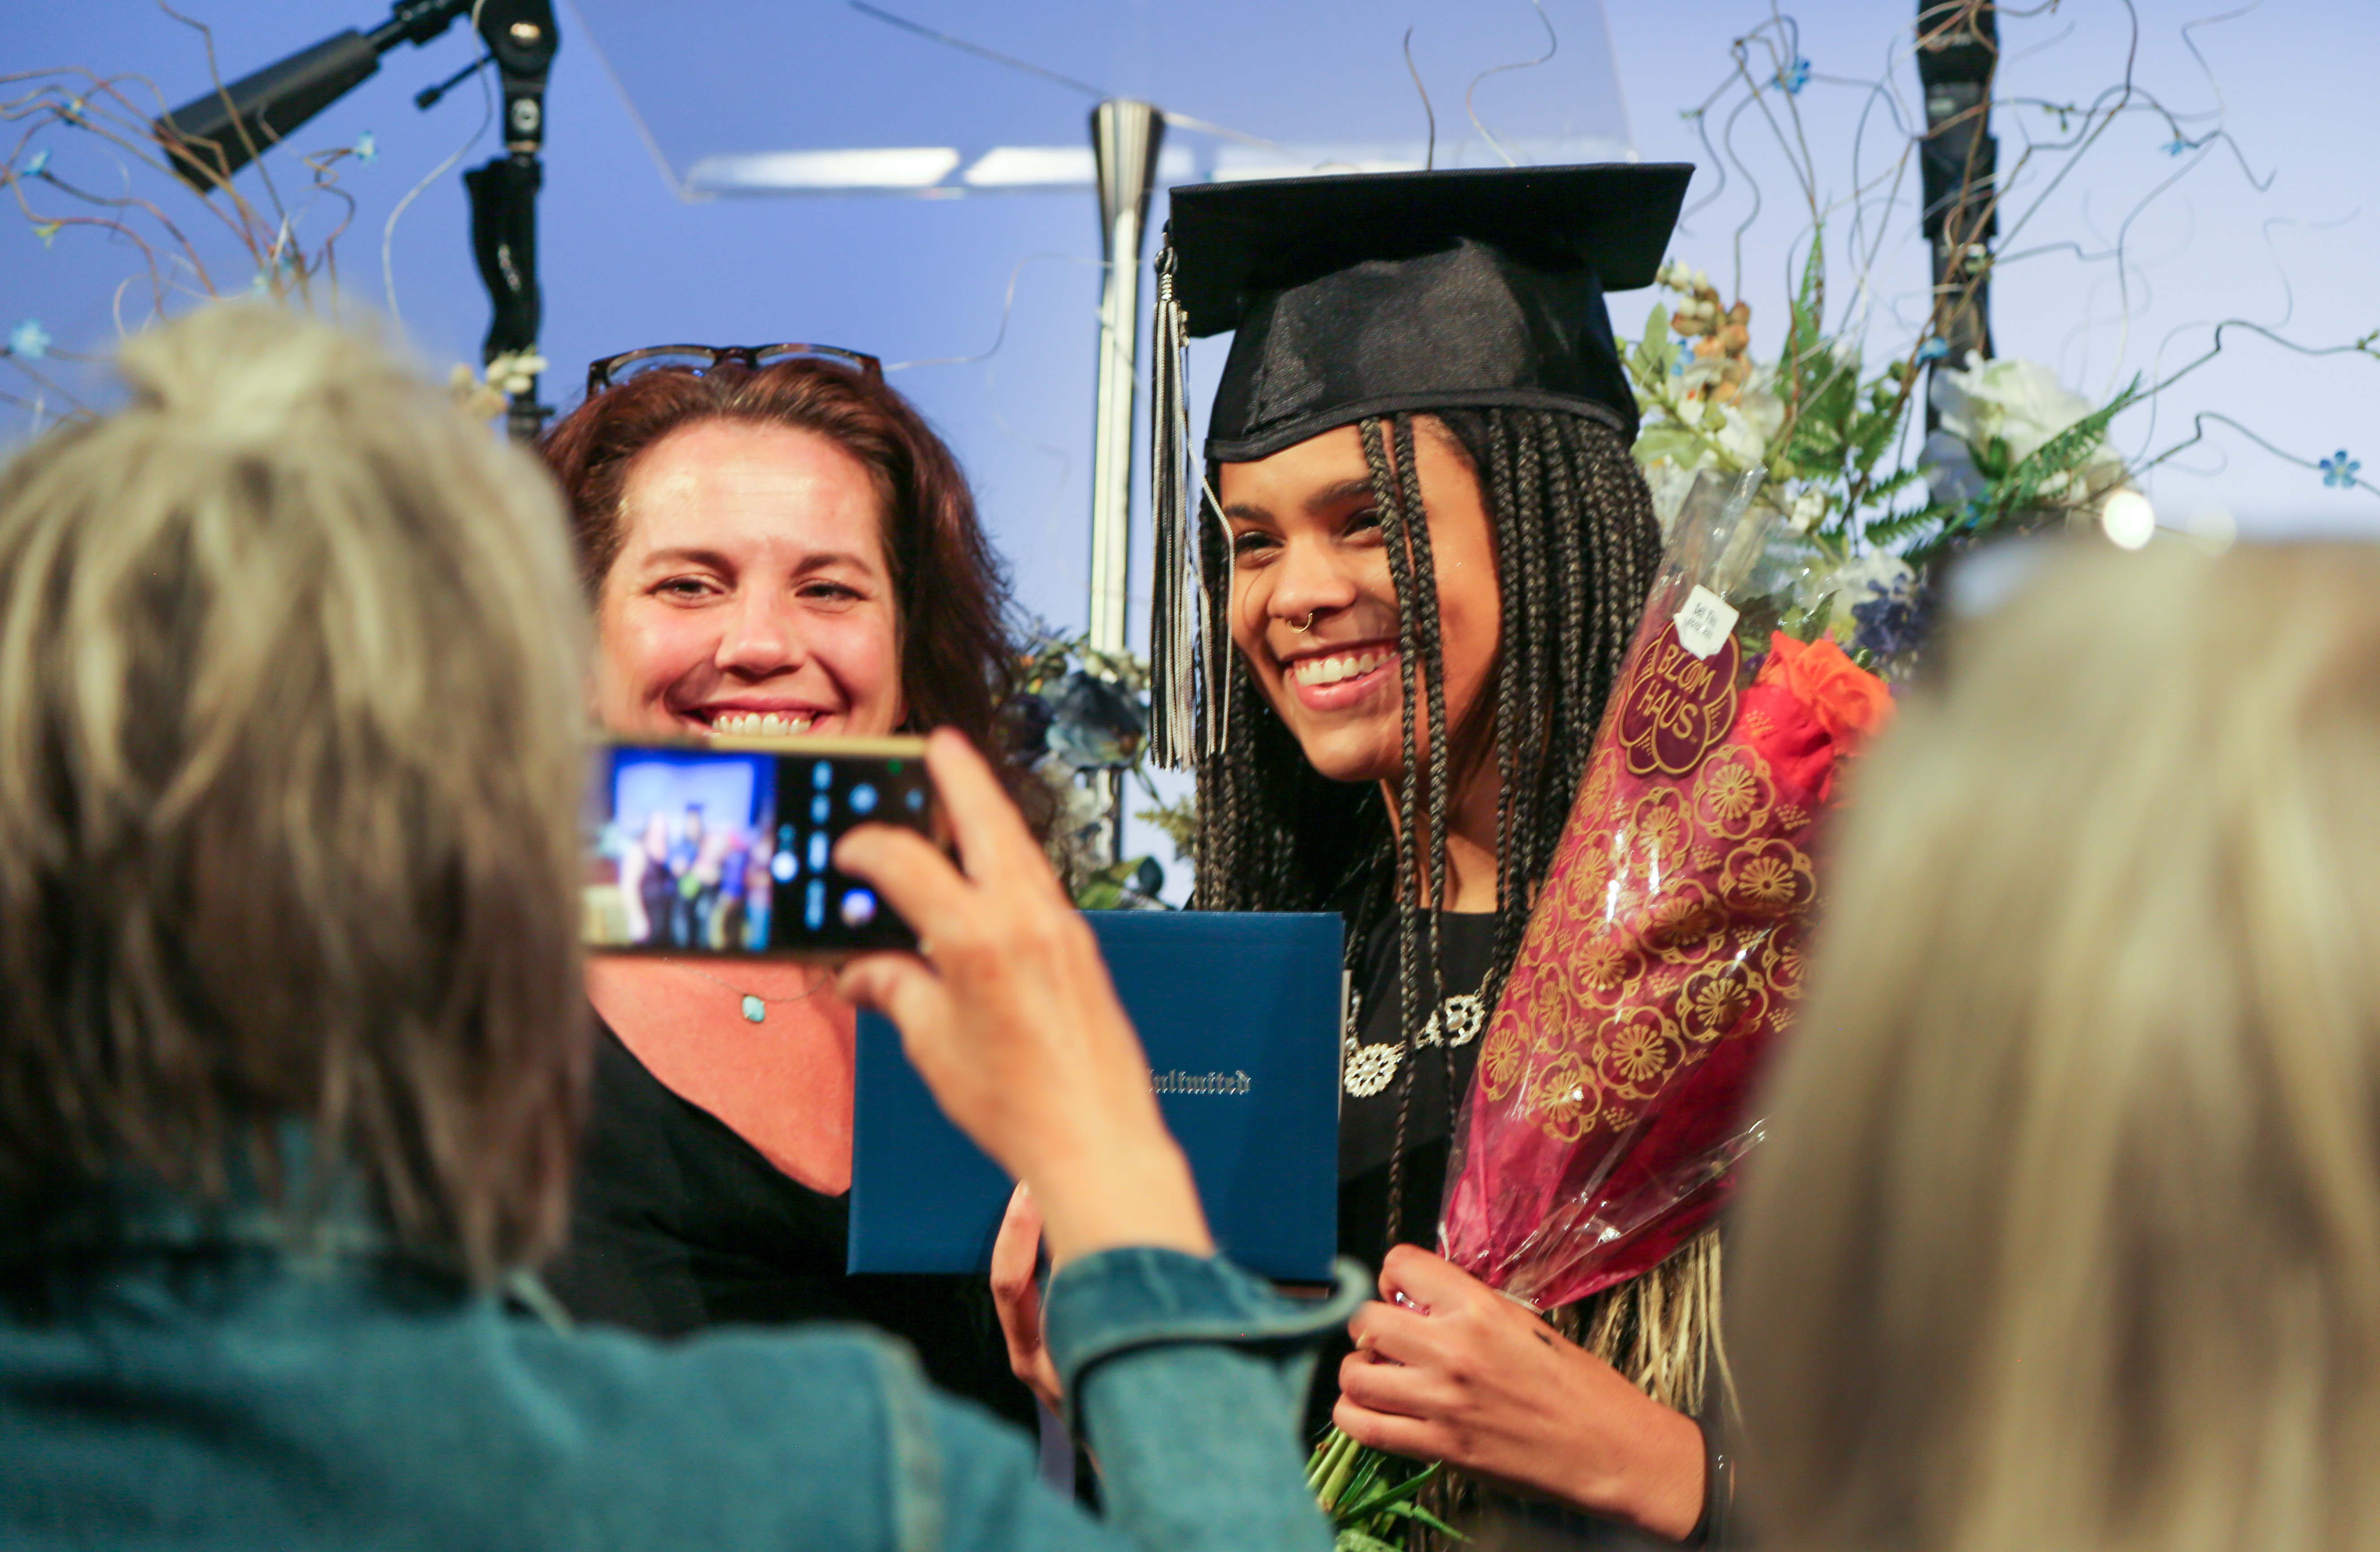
(727, 848)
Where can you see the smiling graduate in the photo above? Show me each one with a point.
(1422, 547)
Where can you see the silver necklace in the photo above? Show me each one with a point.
(755, 1007)
(1367, 1070)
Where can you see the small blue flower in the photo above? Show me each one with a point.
(2339, 470)
(1794, 77)
(1934, 349)
(1891, 620)
(32, 341)
(36, 163)
(367, 146)
(2177, 146)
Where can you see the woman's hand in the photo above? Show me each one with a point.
(1473, 1380)
(1016, 1294)
(1007, 1014)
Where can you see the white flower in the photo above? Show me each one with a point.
(473, 398)
(514, 372)
(1750, 421)
(1807, 510)
(2020, 402)
(1738, 438)
(1876, 570)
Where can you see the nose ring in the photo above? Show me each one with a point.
(1302, 626)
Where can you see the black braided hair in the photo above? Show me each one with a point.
(1577, 548)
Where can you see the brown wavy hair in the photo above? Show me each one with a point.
(957, 664)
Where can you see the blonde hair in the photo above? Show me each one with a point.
(291, 692)
(2067, 1232)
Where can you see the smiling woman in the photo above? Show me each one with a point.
(652, 507)
(771, 548)
(1314, 609)
(1439, 547)
(752, 592)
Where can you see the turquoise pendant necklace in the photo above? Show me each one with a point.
(755, 1006)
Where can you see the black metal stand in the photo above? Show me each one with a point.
(521, 37)
(212, 136)
(1958, 165)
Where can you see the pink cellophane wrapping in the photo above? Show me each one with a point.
(1613, 1091)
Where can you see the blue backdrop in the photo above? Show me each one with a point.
(2266, 211)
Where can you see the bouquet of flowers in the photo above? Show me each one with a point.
(1665, 951)
(1858, 528)
(1663, 956)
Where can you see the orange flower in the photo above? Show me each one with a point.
(1848, 701)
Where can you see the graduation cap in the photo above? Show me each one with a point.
(1354, 296)
(1372, 294)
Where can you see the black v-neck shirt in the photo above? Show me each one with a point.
(678, 1224)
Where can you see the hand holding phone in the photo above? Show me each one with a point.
(1006, 1010)
(727, 848)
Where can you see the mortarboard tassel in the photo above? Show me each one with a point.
(1214, 637)
(1180, 631)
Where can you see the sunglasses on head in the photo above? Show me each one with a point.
(613, 371)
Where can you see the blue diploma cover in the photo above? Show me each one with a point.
(1239, 1015)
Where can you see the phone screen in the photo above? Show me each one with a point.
(728, 849)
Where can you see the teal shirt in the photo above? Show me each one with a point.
(246, 1397)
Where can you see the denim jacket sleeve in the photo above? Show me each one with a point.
(1189, 1378)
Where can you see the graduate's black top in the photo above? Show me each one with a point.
(1368, 1123)
(677, 1223)
(1367, 1133)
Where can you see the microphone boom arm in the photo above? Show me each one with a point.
(210, 138)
